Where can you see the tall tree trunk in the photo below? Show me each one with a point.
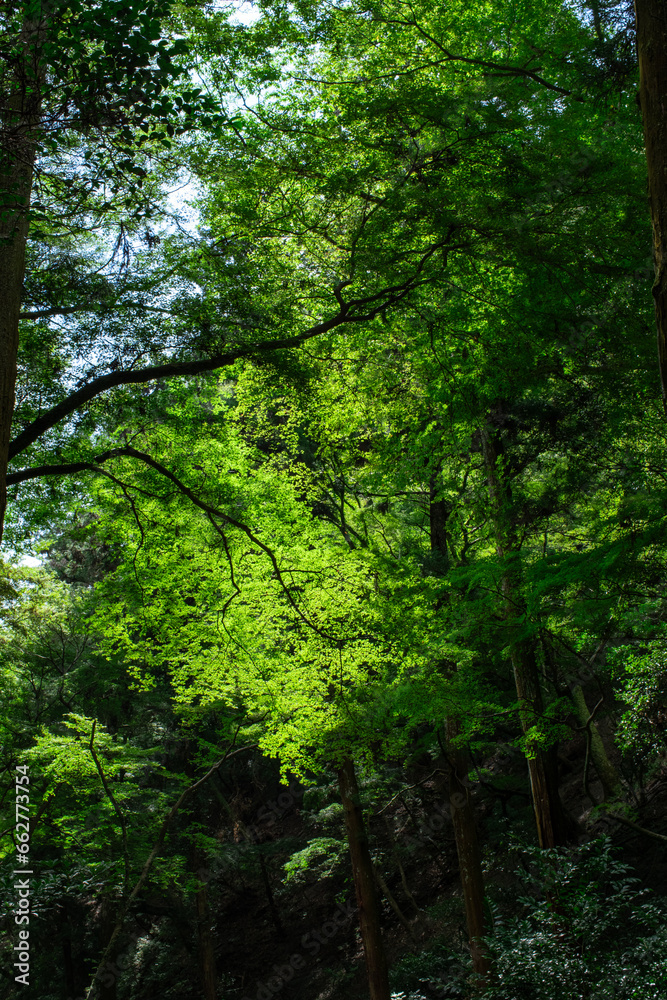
(463, 814)
(467, 849)
(207, 966)
(364, 884)
(19, 119)
(652, 52)
(549, 816)
(68, 964)
(205, 945)
(273, 909)
(542, 769)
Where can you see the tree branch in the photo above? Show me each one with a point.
(636, 826)
(114, 803)
(139, 376)
(369, 310)
(68, 310)
(212, 513)
(156, 847)
(500, 69)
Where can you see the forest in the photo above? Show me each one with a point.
(333, 499)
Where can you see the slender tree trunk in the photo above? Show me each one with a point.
(467, 849)
(549, 816)
(205, 946)
(391, 899)
(207, 965)
(13, 233)
(607, 773)
(68, 965)
(652, 53)
(108, 980)
(364, 884)
(19, 119)
(463, 814)
(597, 23)
(273, 909)
(542, 769)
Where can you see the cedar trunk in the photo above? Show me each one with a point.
(19, 120)
(364, 884)
(206, 950)
(107, 979)
(463, 814)
(467, 849)
(652, 53)
(549, 815)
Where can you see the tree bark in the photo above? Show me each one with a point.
(463, 814)
(549, 815)
(470, 861)
(19, 120)
(68, 964)
(364, 884)
(273, 909)
(651, 18)
(207, 965)
(607, 773)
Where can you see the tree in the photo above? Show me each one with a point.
(66, 73)
(652, 53)
(364, 882)
(433, 492)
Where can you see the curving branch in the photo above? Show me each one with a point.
(353, 311)
(138, 376)
(494, 68)
(213, 514)
(90, 308)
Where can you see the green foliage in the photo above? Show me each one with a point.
(312, 551)
(434, 972)
(586, 929)
(641, 673)
(320, 859)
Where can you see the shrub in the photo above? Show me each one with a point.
(588, 932)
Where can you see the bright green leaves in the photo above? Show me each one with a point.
(438, 176)
(641, 672)
(320, 859)
(256, 607)
(67, 758)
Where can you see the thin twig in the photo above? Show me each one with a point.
(408, 788)
(156, 848)
(589, 740)
(112, 799)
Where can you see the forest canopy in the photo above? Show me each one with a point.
(332, 447)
